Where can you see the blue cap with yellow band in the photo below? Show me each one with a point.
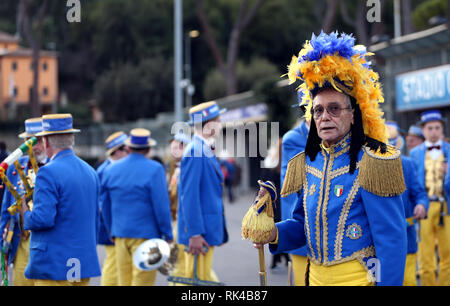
(115, 141)
(57, 124)
(32, 127)
(140, 138)
(204, 112)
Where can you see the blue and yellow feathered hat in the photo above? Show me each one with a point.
(333, 60)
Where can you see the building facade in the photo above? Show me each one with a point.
(415, 72)
(16, 75)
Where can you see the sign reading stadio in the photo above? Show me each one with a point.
(423, 88)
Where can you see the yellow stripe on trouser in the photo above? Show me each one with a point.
(430, 233)
(128, 274)
(49, 282)
(180, 265)
(350, 273)
(299, 266)
(109, 271)
(204, 266)
(20, 263)
(410, 270)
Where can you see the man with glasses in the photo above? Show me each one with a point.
(350, 214)
(116, 150)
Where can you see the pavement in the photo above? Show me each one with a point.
(236, 262)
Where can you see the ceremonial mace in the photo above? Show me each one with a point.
(258, 223)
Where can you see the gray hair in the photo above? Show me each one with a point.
(62, 141)
(347, 98)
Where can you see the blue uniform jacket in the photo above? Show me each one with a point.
(413, 195)
(340, 221)
(447, 180)
(135, 199)
(200, 206)
(293, 143)
(8, 200)
(63, 220)
(102, 233)
(418, 156)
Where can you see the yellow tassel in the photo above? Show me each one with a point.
(259, 227)
(295, 175)
(382, 174)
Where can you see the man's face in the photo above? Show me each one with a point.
(120, 153)
(413, 141)
(433, 131)
(39, 150)
(176, 150)
(212, 128)
(331, 128)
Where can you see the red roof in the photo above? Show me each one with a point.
(26, 52)
(5, 37)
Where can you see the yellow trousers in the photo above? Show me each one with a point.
(299, 266)
(350, 273)
(128, 274)
(109, 271)
(20, 263)
(204, 266)
(49, 282)
(180, 266)
(430, 234)
(410, 270)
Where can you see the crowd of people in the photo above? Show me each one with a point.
(129, 199)
(354, 209)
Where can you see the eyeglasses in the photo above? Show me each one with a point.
(333, 109)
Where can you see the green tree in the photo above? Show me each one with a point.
(247, 75)
(428, 9)
(128, 92)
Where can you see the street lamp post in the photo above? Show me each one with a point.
(189, 87)
(178, 12)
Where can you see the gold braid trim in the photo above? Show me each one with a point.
(295, 175)
(359, 255)
(382, 174)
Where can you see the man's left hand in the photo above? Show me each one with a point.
(420, 212)
(24, 207)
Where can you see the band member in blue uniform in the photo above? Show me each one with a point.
(416, 204)
(135, 206)
(63, 220)
(294, 142)
(177, 146)
(17, 241)
(431, 159)
(116, 149)
(414, 137)
(201, 220)
(350, 213)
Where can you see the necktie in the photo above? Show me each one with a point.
(434, 147)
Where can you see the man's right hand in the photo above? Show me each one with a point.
(197, 245)
(272, 238)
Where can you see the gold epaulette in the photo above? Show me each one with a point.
(295, 175)
(382, 173)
